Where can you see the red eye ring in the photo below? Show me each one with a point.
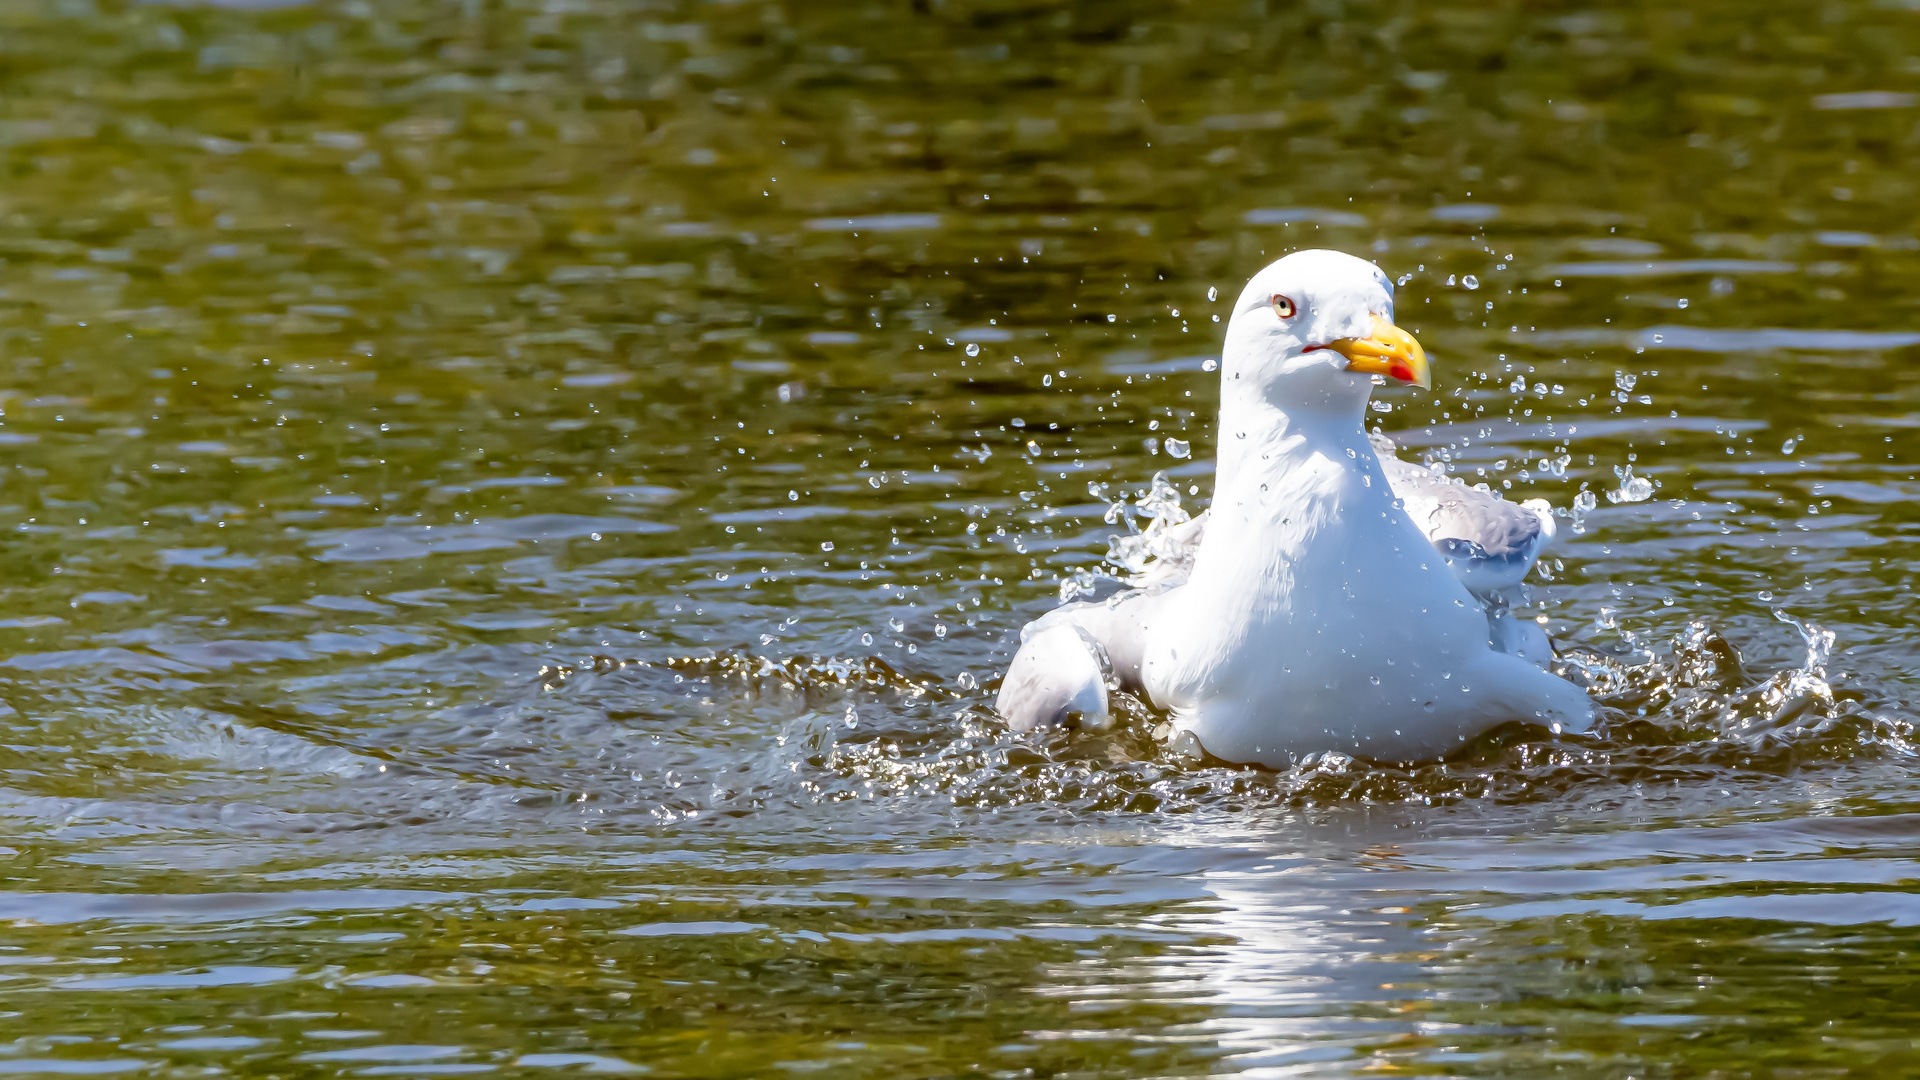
(1283, 306)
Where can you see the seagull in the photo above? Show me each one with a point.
(1334, 597)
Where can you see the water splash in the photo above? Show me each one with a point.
(1160, 540)
(1632, 488)
(929, 744)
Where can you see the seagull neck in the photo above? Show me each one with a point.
(1258, 438)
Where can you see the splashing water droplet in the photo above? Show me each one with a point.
(1046, 380)
(1632, 489)
(1210, 365)
(1113, 318)
(1470, 281)
(1212, 293)
(866, 639)
(973, 349)
(826, 545)
(1177, 448)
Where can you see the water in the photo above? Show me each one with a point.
(515, 513)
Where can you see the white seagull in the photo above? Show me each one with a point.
(1336, 598)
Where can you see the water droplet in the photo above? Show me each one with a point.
(1210, 365)
(939, 630)
(1374, 679)
(1046, 380)
(1585, 502)
(866, 639)
(793, 496)
(1625, 380)
(896, 625)
(1470, 281)
(1177, 448)
(1212, 293)
(1787, 447)
(1632, 488)
(973, 349)
(1113, 318)
(1683, 302)
(968, 682)
(826, 545)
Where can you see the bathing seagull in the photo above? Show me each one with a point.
(1333, 600)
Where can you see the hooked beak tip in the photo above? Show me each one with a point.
(1389, 351)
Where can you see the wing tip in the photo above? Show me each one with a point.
(1057, 678)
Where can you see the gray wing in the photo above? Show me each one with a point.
(1489, 543)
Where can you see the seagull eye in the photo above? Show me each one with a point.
(1282, 306)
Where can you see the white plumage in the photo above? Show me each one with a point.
(1334, 597)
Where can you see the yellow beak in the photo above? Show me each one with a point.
(1390, 351)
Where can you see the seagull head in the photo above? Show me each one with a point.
(1314, 331)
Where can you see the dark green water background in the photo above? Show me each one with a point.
(512, 512)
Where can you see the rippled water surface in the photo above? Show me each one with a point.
(514, 512)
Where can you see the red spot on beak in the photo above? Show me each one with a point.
(1402, 372)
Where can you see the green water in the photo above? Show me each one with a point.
(513, 513)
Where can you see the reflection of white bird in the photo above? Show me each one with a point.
(1324, 606)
